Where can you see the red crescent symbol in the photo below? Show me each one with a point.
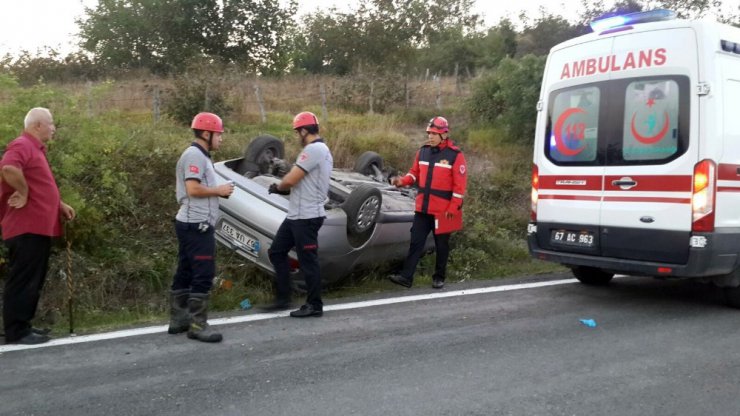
(650, 139)
(562, 148)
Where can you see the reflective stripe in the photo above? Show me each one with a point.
(408, 174)
(443, 165)
(457, 195)
(422, 162)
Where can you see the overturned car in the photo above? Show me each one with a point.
(367, 220)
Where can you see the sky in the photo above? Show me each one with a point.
(51, 23)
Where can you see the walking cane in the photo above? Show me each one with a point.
(70, 284)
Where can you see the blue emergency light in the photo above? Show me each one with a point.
(612, 22)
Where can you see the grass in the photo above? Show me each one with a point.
(116, 167)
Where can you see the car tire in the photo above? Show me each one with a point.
(367, 161)
(258, 155)
(592, 276)
(362, 207)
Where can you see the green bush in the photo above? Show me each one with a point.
(195, 91)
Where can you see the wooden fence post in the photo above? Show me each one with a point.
(324, 112)
(260, 102)
(439, 92)
(89, 99)
(155, 104)
(372, 92)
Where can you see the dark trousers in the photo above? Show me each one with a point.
(424, 224)
(28, 262)
(196, 266)
(303, 235)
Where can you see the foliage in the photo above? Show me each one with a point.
(381, 34)
(50, 66)
(195, 91)
(507, 97)
(163, 36)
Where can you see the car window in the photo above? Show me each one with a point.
(650, 125)
(573, 125)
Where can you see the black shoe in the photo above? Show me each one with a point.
(31, 339)
(399, 280)
(438, 284)
(275, 307)
(41, 331)
(306, 311)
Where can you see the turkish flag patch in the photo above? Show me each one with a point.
(303, 157)
(194, 169)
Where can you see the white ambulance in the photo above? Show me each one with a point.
(637, 152)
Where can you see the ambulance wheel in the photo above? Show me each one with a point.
(732, 296)
(592, 276)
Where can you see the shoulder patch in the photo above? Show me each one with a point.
(194, 169)
(303, 157)
(462, 169)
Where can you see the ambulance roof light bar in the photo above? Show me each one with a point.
(611, 22)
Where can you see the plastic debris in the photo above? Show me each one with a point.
(245, 304)
(589, 323)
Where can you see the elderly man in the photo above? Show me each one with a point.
(30, 211)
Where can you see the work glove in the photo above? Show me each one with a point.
(273, 189)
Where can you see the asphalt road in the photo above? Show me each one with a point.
(658, 348)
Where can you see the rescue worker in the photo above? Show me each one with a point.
(309, 181)
(439, 172)
(197, 192)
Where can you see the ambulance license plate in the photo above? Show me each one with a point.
(250, 245)
(572, 238)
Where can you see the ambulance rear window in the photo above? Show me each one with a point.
(650, 125)
(626, 121)
(573, 126)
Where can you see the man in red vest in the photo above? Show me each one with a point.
(440, 173)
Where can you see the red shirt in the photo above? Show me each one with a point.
(41, 214)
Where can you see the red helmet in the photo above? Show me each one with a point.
(438, 125)
(207, 122)
(305, 119)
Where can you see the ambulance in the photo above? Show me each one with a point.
(636, 166)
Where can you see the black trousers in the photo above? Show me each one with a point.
(303, 235)
(421, 227)
(28, 262)
(196, 265)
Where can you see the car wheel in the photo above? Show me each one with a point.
(369, 163)
(259, 154)
(362, 207)
(592, 276)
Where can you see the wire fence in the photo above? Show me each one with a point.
(256, 98)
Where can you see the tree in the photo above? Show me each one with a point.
(546, 31)
(163, 35)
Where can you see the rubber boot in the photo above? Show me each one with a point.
(199, 328)
(179, 315)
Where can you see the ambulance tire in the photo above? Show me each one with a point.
(592, 276)
(732, 296)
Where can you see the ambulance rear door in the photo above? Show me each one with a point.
(652, 146)
(570, 154)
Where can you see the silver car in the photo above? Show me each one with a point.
(367, 222)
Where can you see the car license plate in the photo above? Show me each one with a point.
(572, 238)
(249, 244)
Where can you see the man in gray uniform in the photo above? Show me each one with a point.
(309, 181)
(197, 193)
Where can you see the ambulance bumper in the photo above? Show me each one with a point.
(710, 254)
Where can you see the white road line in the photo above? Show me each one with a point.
(263, 316)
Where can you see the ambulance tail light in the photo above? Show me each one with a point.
(535, 192)
(702, 197)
